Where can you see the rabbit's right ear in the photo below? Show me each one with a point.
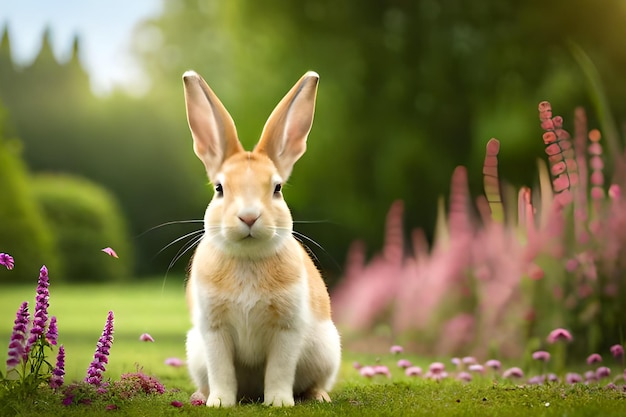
(213, 130)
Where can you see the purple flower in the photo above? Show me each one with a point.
(145, 337)
(590, 376)
(17, 348)
(101, 356)
(559, 334)
(395, 349)
(413, 371)
(553, 378)
(52, 336)
(594, 358)
(541, 355)
(404, 363)
(617, 351)
(58, 373)
(7, 260)
(573, 378)
(40, 318)
(514, 372)
(177, 404)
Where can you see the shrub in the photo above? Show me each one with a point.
(84, 218)
(23, 231)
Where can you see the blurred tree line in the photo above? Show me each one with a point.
(409, 90)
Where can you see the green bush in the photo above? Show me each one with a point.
(85, 218)
(24, 233)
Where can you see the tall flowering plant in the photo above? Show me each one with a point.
(32, 337)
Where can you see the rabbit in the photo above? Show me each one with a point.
(260, 311)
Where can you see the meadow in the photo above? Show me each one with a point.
(157, 307)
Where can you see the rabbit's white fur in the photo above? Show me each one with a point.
(260, 310)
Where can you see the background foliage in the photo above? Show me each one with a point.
(408, 91)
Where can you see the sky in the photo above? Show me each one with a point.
(104, 28)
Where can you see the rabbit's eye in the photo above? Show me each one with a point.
(277, 189)
(219, 190)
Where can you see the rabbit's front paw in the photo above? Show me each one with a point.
(218, 400)
(279, 399)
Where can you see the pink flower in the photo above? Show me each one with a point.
(145, 337)
(493, 364)
(356, 365)
(541, 355)
(559, 334)
(603, 372)
(456, 362)
(367, 371)
(436, 367)
(477, 368)
(413, 371)
(594, 358)
(469, 360)
(514, 372)
(110, 252)
(404, 363)
(197, 399)
(395, 349)
(7, 260)
(382, 370)
(617, 351)
(177, 404)
(573, 378)
(175, 362)
(464, 376)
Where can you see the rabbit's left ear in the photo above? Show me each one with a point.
(285, 133)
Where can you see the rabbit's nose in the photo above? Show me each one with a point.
(249, 219)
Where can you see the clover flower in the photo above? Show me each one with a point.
(559, 334)
(493, 364)
(573, 378)
(617, 351)
(603, 372)
(7, 260)
(40, 317)
(101, 356)
(413, 371)
(464, 376)
(404, 363)
(177, 362)
(514, 372)
(58, 373)
(541, 355)
(594, 358)
(17, 349)
(396, 349)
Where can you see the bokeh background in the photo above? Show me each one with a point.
(409, 90)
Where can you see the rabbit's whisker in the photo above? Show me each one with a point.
(158, 226)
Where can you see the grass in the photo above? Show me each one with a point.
(151, 307)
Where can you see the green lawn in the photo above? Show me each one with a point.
(157, 309)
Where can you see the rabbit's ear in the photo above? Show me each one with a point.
(213, 130)
(285, 133)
